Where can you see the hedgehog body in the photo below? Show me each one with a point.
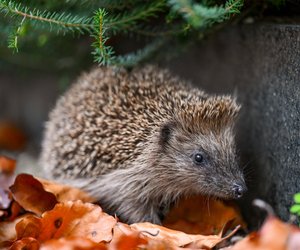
(138, 141)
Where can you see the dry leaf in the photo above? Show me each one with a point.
(11, 137)
(30, 194)
(123, 232)
(132, 241)
(7, 168)
(25, 244)
(77, 219)
(72, 243)
(200, 215)
(15, 210)
(29, 226)
(274, 235)
(7, 230)
(65, 193)
(176, 238)
(7, 165)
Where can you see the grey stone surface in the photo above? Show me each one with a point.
(261, 63)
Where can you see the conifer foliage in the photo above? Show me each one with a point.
(158, 20)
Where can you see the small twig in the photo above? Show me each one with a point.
(264, 206)
(154, 235)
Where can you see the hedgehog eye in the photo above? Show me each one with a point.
(198, 158)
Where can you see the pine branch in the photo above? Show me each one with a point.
(140, 55)
(201, 16)
(13, 37)
(129, 19)
(62, 22)
(103, 54)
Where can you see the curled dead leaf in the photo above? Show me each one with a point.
(29, 226)
(7, 165)
(274, 235)
(30, 194)
(72, 243)
(7, 230)
(65, 193)
(11, 137)
(200, 215)
(25, 243)
(176, 238)
(77, 219)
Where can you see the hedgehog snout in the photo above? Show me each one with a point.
(238, 189)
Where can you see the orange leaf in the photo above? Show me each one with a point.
(7, 230)
(25, 243)
(126, 242)
(29, 226)
(124, 236)
(274, 235)
(30, 194)
(15, 210)
(65, 193)
(77, 219)
(7, 165)
(200, 215)
(176, 238)
(11, 137)
(72, 243)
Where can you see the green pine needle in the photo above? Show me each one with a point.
(103, 54)
(60, 22)
(158, 19)
(140, 55)
(202, 16)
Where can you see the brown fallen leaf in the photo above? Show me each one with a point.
(7, 165)
(72, 243)
(77, 219)
(7, 168)
(131, 241)
(25, 243)
(11, 137)
(65, 193)
(200, 215)
(178, 238)
(30, 194)
(274, 235)
(29, 226)
(15, 211)
(7, 230)
(125, 237)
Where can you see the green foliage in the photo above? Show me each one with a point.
(201, 15)
(295, 209)
(103, 54)
(57, 22)
(37, 26)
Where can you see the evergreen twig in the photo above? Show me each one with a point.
(159, 19)
(63, 22)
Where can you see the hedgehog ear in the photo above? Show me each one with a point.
(166, 132)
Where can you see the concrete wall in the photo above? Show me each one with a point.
(261, 63)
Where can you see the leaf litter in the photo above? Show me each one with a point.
(47, 215)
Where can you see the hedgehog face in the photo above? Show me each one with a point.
(207, 159)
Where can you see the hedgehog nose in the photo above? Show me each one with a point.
(238, 190)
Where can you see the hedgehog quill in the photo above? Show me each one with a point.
(139, 140)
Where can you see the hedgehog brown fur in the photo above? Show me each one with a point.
(137, 141)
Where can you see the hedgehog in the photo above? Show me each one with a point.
(138, 141)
